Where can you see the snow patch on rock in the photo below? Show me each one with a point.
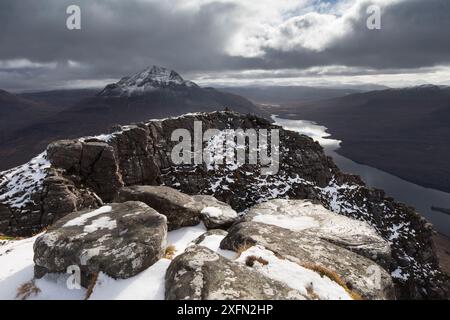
(18, 184)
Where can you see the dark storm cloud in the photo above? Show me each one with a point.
(117, 37)
(414, 34)
(121, 37)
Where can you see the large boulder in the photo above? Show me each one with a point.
(176, 206)
(181, 209)
(305, 216)
(120, 240)
(360, 274)
(201, 274)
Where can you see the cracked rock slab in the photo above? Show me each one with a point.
(176, 206)
(120, 240)
(201, 274)
(305, 216)
(360, 274)
(181, 209)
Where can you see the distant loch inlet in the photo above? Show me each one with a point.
(425, 200)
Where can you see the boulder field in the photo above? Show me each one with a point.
(312, 258)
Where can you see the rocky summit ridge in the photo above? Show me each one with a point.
(73, 178)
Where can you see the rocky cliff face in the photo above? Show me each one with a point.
(84, 173)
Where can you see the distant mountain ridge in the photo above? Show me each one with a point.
(17, 112)
(279, 95)
(402, 131)
(155, 92)
(61, 98)
(149, 79)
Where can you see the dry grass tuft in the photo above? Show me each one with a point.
(311, 293)
(334, 277)
(92, 283)
(250, 261)
(27, 290)
(9, 238)
(170, 252)
(243, 247)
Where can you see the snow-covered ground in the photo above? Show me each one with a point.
(19, 183)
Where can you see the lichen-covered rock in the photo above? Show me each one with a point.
(201, 274)
(214, 213)
(181, 209)
(178, 207)
(120, 240)
(361, 275)
(305, 216)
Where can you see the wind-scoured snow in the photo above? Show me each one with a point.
(101, 223)
(307, 281)
(292, 223)
(18, 184)
(216, 212)
(212, 242)
(81, 220)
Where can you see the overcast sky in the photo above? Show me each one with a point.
(225, 42)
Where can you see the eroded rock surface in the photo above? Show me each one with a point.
(314, 219)
(310, 250)
(176, 206)
(181, 209)
(201, 274)
(214, 213)
(120, 240)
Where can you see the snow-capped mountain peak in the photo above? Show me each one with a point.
(151, 78)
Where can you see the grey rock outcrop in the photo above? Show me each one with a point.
(201, 274)
(93, 163)
(309, 250)
(176, 206)
(214, 213)
(181, 209)
(314, 219)
(120, 240)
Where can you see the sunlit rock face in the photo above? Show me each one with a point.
(120, 240)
